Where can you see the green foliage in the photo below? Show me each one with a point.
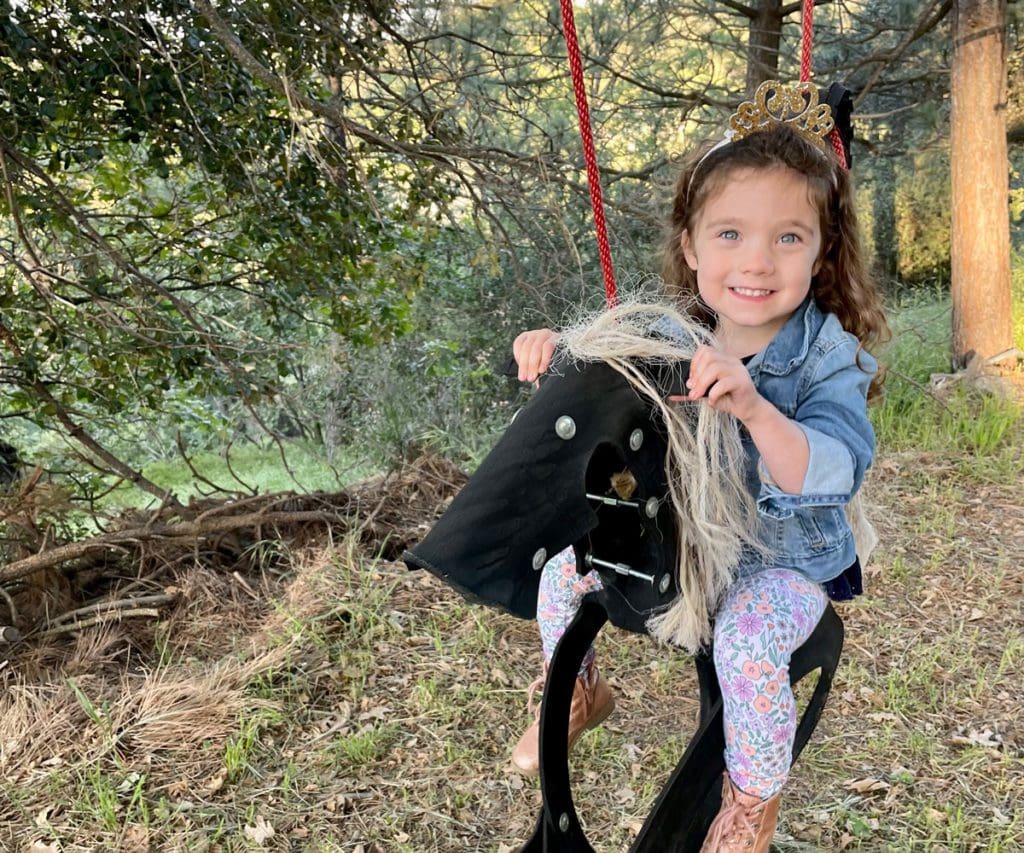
(177, 235)
(1017, 285)
(923, 219)
(327, 222)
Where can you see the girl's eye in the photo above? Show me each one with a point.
(789, 238)
(729, 234)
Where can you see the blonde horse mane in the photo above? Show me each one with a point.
(715, 514)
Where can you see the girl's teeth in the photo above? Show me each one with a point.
(743, 291)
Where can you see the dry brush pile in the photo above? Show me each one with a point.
(138, 647)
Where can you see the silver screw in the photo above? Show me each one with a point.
(539, 559)
(563, 822)
(651, 507)
(636, 439)
(665, 583)
(565, 427)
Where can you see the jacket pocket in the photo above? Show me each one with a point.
(806, 534)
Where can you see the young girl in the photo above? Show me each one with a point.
(763, 243)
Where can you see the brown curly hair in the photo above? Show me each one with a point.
(843, 285)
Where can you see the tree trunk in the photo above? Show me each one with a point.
(980, 246)
(763, 36)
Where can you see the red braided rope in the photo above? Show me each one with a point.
(806, 37)
(806, 40)
(593, 177)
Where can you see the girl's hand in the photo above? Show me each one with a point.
(533, 351)
(725, 380)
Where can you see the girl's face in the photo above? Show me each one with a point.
(755, 246)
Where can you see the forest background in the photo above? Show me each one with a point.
(283, 246)
(325, 223)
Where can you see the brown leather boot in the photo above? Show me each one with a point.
(744, 823)
(592, 702)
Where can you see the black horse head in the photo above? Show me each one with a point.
(546, 486)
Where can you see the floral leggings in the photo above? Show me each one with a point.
(765, 618)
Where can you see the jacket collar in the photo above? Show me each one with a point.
(788, 349)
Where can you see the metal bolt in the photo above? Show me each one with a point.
(651, 507)
(565, 427)
(665, 583)
(563, 822)
(539, 559)
(636, 439)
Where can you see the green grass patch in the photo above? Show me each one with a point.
(296, 466)
(365, 746)
(981, 434)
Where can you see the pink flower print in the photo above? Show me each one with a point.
(772, 688)
(762, 704)
(568, 570)
(749, 623)
(764, 608)
(767, 667)
(742, 600)
(747, 749)
(730, 732)
(739, 779)
(751, 670)
(753, 790)
(783, 734)
(742, 689)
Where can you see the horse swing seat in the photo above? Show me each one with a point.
(544, 487)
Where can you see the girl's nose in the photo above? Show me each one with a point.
(757, 260)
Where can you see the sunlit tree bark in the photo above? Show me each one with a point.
(980, 248)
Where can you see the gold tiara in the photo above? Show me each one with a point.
(796, 107)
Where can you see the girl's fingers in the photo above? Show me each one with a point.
(720, 389)
(533, 351)
(702, 371)
(702, 380)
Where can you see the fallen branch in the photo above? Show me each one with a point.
(185, 530)
(102, 619)
(125, 604)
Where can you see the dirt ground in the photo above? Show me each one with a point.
(331, 700)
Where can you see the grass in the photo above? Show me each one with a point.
(982, 433)
(295, 466)
(383, 709)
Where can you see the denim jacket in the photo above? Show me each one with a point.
(815, 373)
